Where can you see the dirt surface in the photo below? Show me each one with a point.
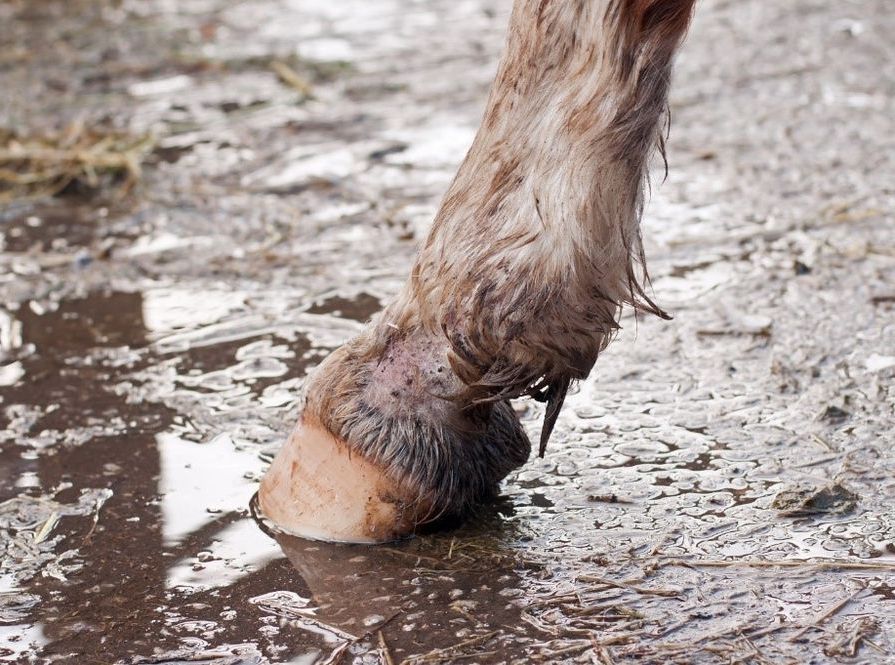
(721, 490)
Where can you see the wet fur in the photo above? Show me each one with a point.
(532, 256)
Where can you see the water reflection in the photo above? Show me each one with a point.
(174, 525)
(172, 560)
(198, 481)
(236, 550)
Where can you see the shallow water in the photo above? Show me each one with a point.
(153, 346)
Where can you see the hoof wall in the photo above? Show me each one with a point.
(317, 488)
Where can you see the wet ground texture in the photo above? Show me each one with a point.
(721, 490)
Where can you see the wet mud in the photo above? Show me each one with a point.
(721, 490)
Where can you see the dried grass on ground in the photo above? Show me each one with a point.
(34, 166)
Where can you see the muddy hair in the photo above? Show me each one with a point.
(533, 254)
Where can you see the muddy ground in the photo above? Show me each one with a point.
(721, 490)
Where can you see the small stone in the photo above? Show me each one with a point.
(801, 268)
(831, 499)
(835, 415)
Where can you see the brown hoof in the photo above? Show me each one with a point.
(317, 488)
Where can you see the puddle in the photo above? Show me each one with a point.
(153, 350)
(359, 308)
(55, 231)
